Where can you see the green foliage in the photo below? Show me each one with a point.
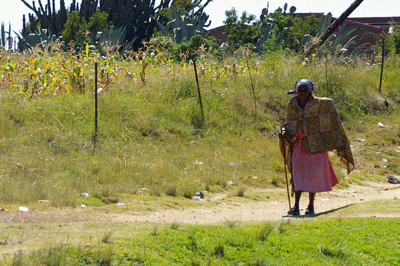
(240, 32)
(184, 7)
(98, 22)
(354, 241)
(41, 38)
(274, 31)
(75, 27)
(110, 40)
(151, 134)
(280, 30)
(97, 33)
(285, 7)
(336, 46)
(189, 50)
(393, 39)
(308, 25)
(139, 17)
(184, 27)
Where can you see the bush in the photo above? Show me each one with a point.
(197, 45)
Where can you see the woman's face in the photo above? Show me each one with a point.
(303, 92)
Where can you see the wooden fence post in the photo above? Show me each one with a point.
(94, 137)
(383, 61)
(198, 90)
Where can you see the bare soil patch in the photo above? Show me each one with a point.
(269, 210)
(253, 211)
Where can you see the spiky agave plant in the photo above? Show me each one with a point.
(185, 27)
(40, 37)
(337, 45)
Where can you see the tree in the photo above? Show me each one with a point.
(240, 32)
(190, 49)
(289, 30)
(393, 38)
(75, 27)
(98, 22)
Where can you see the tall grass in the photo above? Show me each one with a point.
(150, 140)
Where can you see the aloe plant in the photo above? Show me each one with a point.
(29, 41)
(185, 27)
(336, 46)
(111, 37)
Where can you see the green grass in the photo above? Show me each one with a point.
(151, 135)
(154, 151)
(318, 241)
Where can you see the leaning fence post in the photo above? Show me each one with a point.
(94, 138)
(253, 90)
(198, 89)
(383, 62)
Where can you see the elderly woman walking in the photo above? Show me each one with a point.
(312, 128)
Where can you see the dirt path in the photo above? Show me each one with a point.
(265, 210)
(268, 209)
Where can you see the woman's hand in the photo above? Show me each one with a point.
(282, 133)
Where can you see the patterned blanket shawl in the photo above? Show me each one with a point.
(322, 130)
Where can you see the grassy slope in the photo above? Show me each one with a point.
(151, 137)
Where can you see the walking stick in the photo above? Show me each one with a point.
(284, 163)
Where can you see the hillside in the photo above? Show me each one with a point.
(151, 137)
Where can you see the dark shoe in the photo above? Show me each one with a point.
(310, 211)
(393, 180)
(294, 211)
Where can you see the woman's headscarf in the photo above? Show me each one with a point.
(304, 82)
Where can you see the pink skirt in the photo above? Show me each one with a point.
(311, 173)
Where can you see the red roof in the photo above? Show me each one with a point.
(303, 15)
(377, 21)
(218, 33)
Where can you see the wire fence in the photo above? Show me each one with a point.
(99, 100)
